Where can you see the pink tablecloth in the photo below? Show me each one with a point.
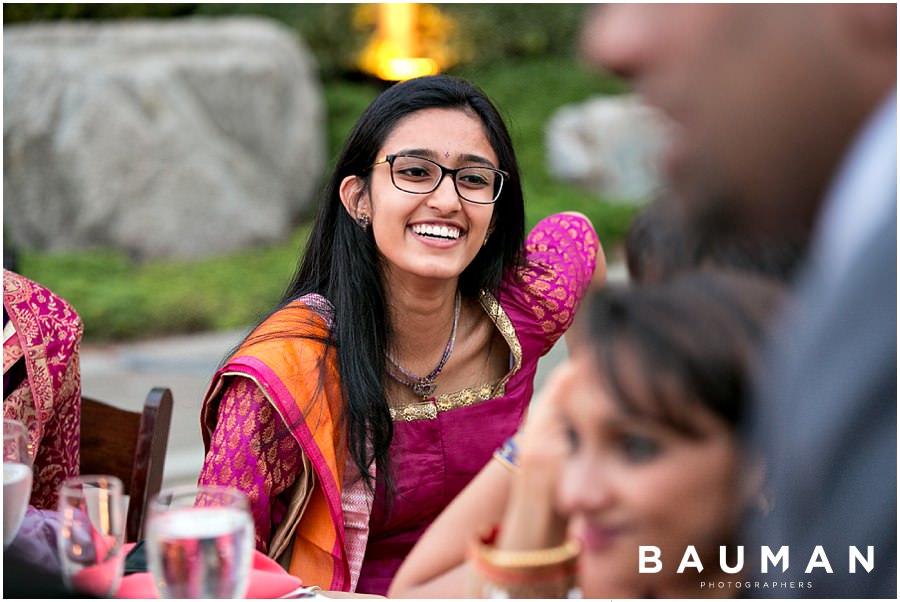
(267, 580)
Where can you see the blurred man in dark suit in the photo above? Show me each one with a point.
(784, 123)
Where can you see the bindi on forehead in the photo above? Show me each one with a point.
(445, 154)
(436, 155)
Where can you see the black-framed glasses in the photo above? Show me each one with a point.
(418, 175)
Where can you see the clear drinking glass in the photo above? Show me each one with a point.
(16, 477)
(91, 533)
(200, 542)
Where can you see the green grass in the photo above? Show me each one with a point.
(119, 299)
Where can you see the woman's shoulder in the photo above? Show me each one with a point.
(560, 252)
(300, 328)
(560, 255)
(562, 234)
(41, 316)
(320, 305)
(311, 314)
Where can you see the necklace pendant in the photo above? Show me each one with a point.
(424, 388)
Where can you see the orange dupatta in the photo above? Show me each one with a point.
(298, 374)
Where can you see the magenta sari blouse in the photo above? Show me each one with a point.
(441, 443)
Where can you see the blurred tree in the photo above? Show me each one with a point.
(496, 32)
(479, 34)
(17, 13)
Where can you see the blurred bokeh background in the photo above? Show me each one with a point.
(523, 55)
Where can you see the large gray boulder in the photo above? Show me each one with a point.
(182, 138)
(608, 145)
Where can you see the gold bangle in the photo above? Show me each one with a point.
(523, 559)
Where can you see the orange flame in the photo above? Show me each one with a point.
(395, 51)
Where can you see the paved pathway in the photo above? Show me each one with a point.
(122, 375)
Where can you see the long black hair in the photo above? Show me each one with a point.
(341, 261)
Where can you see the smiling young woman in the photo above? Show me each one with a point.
(404, 350)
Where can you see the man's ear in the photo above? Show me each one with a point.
(353, 196)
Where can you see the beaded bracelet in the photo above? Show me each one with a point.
(508, 454)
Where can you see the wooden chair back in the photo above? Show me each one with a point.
(129, 445)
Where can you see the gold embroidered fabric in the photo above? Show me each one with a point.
(429, 409)
(281, 545)
(12, 351)
(44, 332)
(562, 251)
(498, 316)
(419, 410)
(253, 450)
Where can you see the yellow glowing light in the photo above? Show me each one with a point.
(397, 22)
(403, 69)
(395, 51)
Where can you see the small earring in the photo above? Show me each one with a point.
(363, 220)
(486, 237)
